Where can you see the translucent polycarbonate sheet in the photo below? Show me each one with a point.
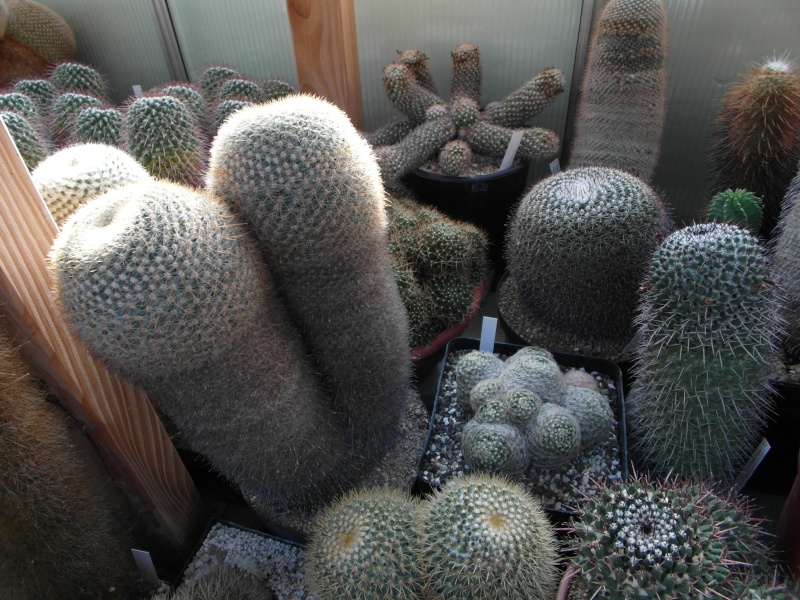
(712, 43)
(120, 39)
(252, 36)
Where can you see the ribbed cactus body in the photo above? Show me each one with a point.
(71, 177)
(577, 248)
(98, 125)
(706, 321)
(737, 207)
(298, 171)
(620, 117)
(78, 78)
(756, 142)
(786, 267)
(164, 285)
(28, 142)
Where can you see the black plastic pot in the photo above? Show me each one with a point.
(483, 200)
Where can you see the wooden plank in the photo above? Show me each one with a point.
(118, 418)
(325, 51)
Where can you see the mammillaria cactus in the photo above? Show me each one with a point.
(706, 350)
(78, 78)
(756, 142)
(212, 78)
(786, 267)
(593, 414)
(537, 374)
(240, 89)
(66, 108)
(22, 105)
(191, 97)
(737, 207)
(577, 248)
(41, 91)
(405, 145)
(474, 367)
(222, 582)
(276, 88)
(72, 176)
(364, 546)
(494, 447)
(30, 145)
(308, 184)
(620, 117)
(97, 125)
(485, 537)
(553, 437)
(667, 540)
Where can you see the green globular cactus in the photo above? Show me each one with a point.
(786, 268)
(522, 406)
(191, 97)
(593, 413)
(212, 79)
(276, 88)
(485, 391)
(737, 207)
(756, 139)
(494, 448)
(622, 108)
(240, 89)
(225, 109)
(472, 368)
(554, 437)
(97, 125)
(222, 583)
(78, 78)
(706, 351)
(28, 142)
(70, 177)
(309, 185)
(485, 537)
(160, 132)
(577, 248)
(66, 108)
(467, 73)
(166, 287)
(667, 540)
(19, 103)
(537, 374)
(366, 546)
(41, 91)
(491, 409)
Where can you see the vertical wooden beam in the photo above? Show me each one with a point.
(117, 418)
(325, 50)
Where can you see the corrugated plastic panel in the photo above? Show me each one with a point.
(251, 36)
(120, 39)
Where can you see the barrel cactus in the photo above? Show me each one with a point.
(756, 138)
(706, 348)
(786, 268)
(621, 112)
(485, 537)
(737, 207)
(577, 248)
(29, 143)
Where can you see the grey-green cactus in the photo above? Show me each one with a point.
(240, 89)
(536, 373)
(494, 447)
(276, 88)
(521, 406)
(78, 78)
(28, 142)
(472, 368)
(593, 414)
(97, 125)
(365, 546)
(406, 144)
(577, 248)
(66, 109)
(225, 109)
(191, 97)
(485, 537)
(21, 104)
(212, 79)
(488, 391)
(786, 268)
(706, 351)
(737, 207)
(554, 437)
(622, 108)
(41, 91)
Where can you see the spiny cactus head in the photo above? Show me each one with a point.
(531, 352)
(41, 91)
(396, 78)
(467, 73)
(441, 248)
(226, 108)
(593, 413)
(489, 397)
(22, 105)
(28, 142)
(78, 78)
(365, 546)
(191, 97)
(494, 448)
(465, 112)
(535, 373)
(436, 111)
(486, 537)
(486, 390)
(667, 540)
(453, 297)
(737, 207)
(633, 34)
(276, 88)
(212, 78)
(522, 406)
(454, 158)
(98, 125)
(240, 89)
(66, 109)
(41, 29)
(473, 367)
(554, 437)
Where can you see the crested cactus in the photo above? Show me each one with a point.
(593, 414)
(553, 437)
(577, 248)
(78, 78)
(160, 132)
(737, 207)
(309, 185)
(494, 447)
(706, 325)
(622, 108)
(97, 125)
(756, 142)
(485, 537)
(786, 267)
(483, 135)
(663, 540)
(165, 286)
(70, 177)
(28, 142)
(364, 546)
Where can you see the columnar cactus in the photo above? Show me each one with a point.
(166, 287)
(622, 107)
(577, 248)
(485, 537)
(28, 142)
(756, 142)
(705, 353)
(737, 207)
(365, 546)
(309, 185)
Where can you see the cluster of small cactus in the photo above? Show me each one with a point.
(222, 583)
(480, 536)
(756, 142)
(705, 353)
(577, 248)
(524, 412)
(667, 540)
(737, 207)
(439, 263)
(621, 113)
(452, 135)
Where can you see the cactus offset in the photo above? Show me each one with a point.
(276, 88)
(41, 91)
(472, 368)
(66, 108)
(212, 78)
(554, 437)
(494, 447)
(593, 414)
(737, 207)
(240, 89)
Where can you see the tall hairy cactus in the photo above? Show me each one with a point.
(756, 142)
(786, 267)
(706, 324)
(621, 112)
(166, 287)
(577, 248)
(299, 172)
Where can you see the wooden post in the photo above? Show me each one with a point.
(117, 418)
(324, 37)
